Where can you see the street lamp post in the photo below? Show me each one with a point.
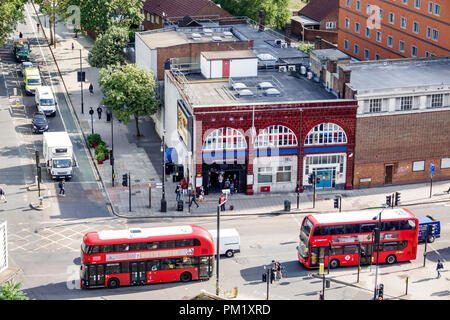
(377, 240)
(217, 245)
(163, 151)
(112, 149)
(91, 112)
(81, 80)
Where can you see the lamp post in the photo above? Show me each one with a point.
(377, 240)
(81, 80)
(163, 151)
(112, 149)
(91, 112)
(217, 245)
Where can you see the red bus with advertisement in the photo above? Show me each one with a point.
(347, 238)
(137, 256)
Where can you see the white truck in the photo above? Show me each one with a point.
(230, 241)
(58, 154)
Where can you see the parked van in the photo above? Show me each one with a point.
(230, 241)
(31, 80)
(45, 101)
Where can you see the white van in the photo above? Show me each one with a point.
(45, 101)
(230, 241)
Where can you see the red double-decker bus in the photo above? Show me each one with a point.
(347, 238)
(116, 258)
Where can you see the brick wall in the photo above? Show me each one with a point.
(400, 140)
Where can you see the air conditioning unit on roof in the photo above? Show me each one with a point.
(291, 68)
(282, 69)
(284, 45)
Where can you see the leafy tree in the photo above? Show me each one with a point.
(305, 47)
(11, 12)
(11, 291)
(99, 15)
(130, 91)
(108, 48)
(53, 9)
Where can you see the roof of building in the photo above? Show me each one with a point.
(318, 9)
(305, 20)
(326, 54)
(180, 8)
(390, 74)
(234, 54)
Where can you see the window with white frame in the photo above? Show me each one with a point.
(276, 136)
(324, 159)
(436, 101)
(401, 46)
(435, 35)
(377, 56)
(390, 41)
(391, 17)
(414, 51)
(403, 22)
(284, 174)
(428, 32)
(406, 103)
(326, 133)
(153, 19)
(430, 7)
(358, 5)
(347, 23)
(369, 10)
(417, 4)
(378, 36)
(225, 139)
(345, 44)
(445, 163)
(366, 54)
(331, 25)
(157, 19)
(380, 13)
(265, 175)
(348, 3)
(415, 27)
(367, 32)
(148, 16)
(375, 105)
(437, 10)
(357, 27)
(418, 165)
(356, 49)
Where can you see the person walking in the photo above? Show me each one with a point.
(439, 266)
(99, 112)
(20, 35)
(201, 194)
(37, 25)
(73, 46)
(62, 191)
(178, 192)
(193, 199)
(91, 89)
(2, 195)
(321, 295)
(222, 202)
(220, 182)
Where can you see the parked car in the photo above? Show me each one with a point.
(40, 123)
(24, 65)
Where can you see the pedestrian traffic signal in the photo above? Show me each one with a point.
(125, 180)
(336, 203)
(318, 180)
(327, 283)
(264, 277)
(397, 198)
(310, 179)
(388, 201)
(380, 291)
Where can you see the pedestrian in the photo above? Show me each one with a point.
(20, 35)
(178, 192)
(73, 46)
(448, 191)
(222, 202)
(439, 266)
(2, 195)
(99, 112)
(62, 191)
(321, 297)
(231, 188)
(38, 25)
(201, 194)
(220, 182)
(193, 199)
(91, 89)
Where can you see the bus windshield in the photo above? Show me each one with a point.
(303, 247)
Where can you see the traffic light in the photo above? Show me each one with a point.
(125, 180)
(310, 179)
(380, 291)
(318, 179)
(388, 201)
(397, 198)
(431, 229)
(264, 277)
(377, 235)
(336, 203)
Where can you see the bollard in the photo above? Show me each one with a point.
(235, 292)
(406, 280)
(40, 200)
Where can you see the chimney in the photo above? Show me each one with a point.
(261, 20)
(287, 34)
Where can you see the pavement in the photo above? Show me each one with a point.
(141, 157)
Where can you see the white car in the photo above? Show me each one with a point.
(24, 65)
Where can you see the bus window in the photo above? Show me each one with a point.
(153, 265)
(351, 249)
(367, 227)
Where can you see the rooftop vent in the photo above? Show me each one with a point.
(196, 36)
(227, 34)
(272, 92)
(265, 85)
(216, 39)
(207, 32)
(266, 57)
(245, 93)
(239, 86)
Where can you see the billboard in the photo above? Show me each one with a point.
(184, 124)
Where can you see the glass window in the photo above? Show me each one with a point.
(435, 35)
(389, 246)
(225, 139)
(406, 103)
(428, 32)
(284, 174)
(153, 265)
(403, 22)
(346, 44)
(366, 54)
(121, 247)
(348, 3)
(414, 51)
(374, 105)
(276, 136)
(108, 248)
(167, 244)
(112, 268)
(415, 27)
(152, 245)
(378, 36)
(417, 4)
(347, 23)
(367, 32)
(96, 249)
(265, 175)
(336, 250)
(390, 226)
(125, 267)
(437, 10)
(184, 243)
(367, 227)
(391, 17)
(418, 165)
(357, 27)
(351, 249)
(167, 264)
(190, 262)
(430, 7)
(356, 49)
(390, 41)
(358, 5)
(326, 133)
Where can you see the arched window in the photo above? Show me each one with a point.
(225, 139)
(276, 136)
(326, 133)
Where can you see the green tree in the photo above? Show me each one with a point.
(108, 48)
(11, 291)
(11, 13)
(305, 47)
(99, 15)
(130, 91)
(55, 10)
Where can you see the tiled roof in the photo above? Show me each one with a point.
(178, 8)
(319, 9)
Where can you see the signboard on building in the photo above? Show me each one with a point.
(3, 247)
(184, 124)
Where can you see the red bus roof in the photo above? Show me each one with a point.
(360, 216)
(134, 235)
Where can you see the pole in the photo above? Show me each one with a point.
(359, 261)
(129, 191)
(431, 184)
(112, 150)
(92, 120)
(298, 163)
(217, 250)
(39, 180)
(268, 283)
(314, 184)
(378, 253)
(149, 195)
(340, 203)
(81, 76)
(425, 251)
(54, 25)
(407, 280)
(323, 287)
(163, 151)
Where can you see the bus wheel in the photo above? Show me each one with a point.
(229, 253)
(391, 259)
(113, 283)
(186, 276)
(334, 264)
(431, 239)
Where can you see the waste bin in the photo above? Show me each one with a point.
(287, 205)
(180, 205)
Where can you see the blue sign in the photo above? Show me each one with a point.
(432, 169)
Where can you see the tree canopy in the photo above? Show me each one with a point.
(129, 91)
(108, 47)
(11, 15)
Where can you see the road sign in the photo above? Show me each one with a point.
(432, 169)
(81, 76)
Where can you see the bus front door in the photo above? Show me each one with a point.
(137, 273)
(96, 275)
(366, 253)
(317, 256)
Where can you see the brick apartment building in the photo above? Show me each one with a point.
(403, 118)
(402, 29)
(317, 18)
(157, 11)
